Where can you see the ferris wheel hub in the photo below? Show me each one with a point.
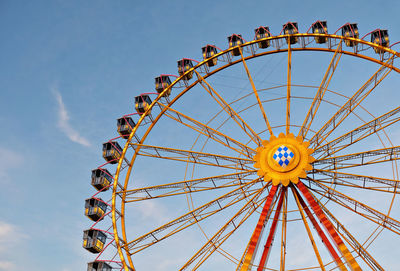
(283, 159)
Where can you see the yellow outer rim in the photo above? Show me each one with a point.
(180, 78)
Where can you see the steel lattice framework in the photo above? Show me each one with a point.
(243, 182)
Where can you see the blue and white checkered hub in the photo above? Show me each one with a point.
(283, 156)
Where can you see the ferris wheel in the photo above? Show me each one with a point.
(277, 153)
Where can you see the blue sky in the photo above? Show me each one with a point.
(68, 69)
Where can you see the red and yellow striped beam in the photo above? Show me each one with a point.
(255, 238)
(271, 234)
(329, 227)
(320, 232)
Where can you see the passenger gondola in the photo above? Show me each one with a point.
(101, 179)
(351, 31)
(235, 40)
(95, 209)
(162, 82)
(125, 126)
(209, 51)
(183, 66)
(291, 28)
(320, 27)
(94, 240)
(261, 33)
(142, 104)
(112, 152)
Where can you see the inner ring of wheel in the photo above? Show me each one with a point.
(115, 186)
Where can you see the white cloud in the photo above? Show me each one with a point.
(63, 122)
(10, 238)
(152, 210)
(6, 265)
(9, 160)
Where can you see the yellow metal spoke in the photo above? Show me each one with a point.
(202, 212)
(361, 158)
(276, 42)
(283, 235)
(209, 132)
(289, 79)
(352, 103)
(229, 110)
(344, 183)
(189, 186)
(321, 92)
(362, 181)
(356, 206)
(359, 133)
(256, 93)
(310, 236)
(219, 238)
(193, 157)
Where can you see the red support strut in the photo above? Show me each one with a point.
(320, 232)
(329, 227)
(271, 234)
(255, 238)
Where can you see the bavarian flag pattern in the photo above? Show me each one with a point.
(283, 155)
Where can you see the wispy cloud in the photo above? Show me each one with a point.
(9, 160)
(10, 238)
(63, 122)
(7, 265)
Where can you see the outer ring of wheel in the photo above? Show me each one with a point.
(204, 62)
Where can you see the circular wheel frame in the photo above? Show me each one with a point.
(302, 179)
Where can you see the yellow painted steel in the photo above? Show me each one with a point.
(371, 127)
(193, 217)
(224, 105)
(179, 188)
(118, 213)
(206, 130)
(353, 102)
(386, 221)
(193, 157)
(214, 243)
(321, 91)
(283, 234)
(256, 94)
(289, 79)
